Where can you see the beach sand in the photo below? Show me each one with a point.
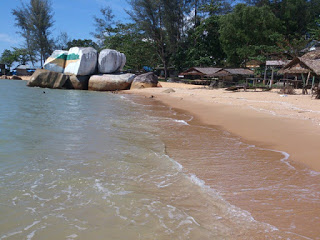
(289, 123)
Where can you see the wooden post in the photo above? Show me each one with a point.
(265, 76)
(304, 84)
(272, 75)
(307, 82)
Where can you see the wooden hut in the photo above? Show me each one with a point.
(199, 72)
(305, 69)
(233, 74)
(24, 70)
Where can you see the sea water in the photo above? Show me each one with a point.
(95, 165)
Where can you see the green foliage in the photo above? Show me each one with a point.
(315, 30)
(249, 32)
(21, 55)
(34, 21)
(8, 57)
(103, 24)
(82, 43)
(139, 51)
(61, 42)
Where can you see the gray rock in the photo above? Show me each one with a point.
(14, 77)
(77, 82)
(110, 61)
(110, 82)
(81, 61)
(123, 61)
(146, 80)
(57, 61)
(47, 79)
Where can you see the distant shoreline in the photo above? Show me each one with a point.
(289, 123)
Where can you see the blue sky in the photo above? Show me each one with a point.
(72, 16)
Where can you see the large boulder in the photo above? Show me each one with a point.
(77, 82)
(110, 82)
(146, 80)
(57, 61)
(81, 61)
(47, 79)
(110, 61)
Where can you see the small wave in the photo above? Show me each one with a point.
(182, 121)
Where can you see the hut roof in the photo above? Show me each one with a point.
(209, 71)
(21, 67)
(302, 65)
(277, 63)
(313, 55)
(234, 71)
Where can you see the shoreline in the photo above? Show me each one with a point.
(265, 119)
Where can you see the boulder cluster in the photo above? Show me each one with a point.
(86, 69)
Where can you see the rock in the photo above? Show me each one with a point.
(123, 61)
(57, 61)
(110, 61)
(110, 82)
(77, 82)
(146, 80)
(4, 77)
(81, 61)
(169, 90)
(47, 79)
(14, 77)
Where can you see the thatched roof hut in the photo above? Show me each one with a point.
(308, 63)
(200, 72)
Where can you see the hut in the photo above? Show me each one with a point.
(233, 74)
(24, 70)
(304, 69)
(200, 72)
(253, 64)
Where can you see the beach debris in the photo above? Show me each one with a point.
(57, 61)
(111, 61)
(146, 80)
(169, 90)
(110, 82)
(47, 79)
(287, 90)
(81, 61)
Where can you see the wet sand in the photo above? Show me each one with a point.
(273, 187)
(289, 123)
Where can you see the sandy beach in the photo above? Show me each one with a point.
(289, 123)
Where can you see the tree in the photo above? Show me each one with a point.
(202, 46)
(21, 55)
(103, 24)
(35, 21)
(315, 31)
(161, 21)
(62, 41)
(249, 32)
(8, 57)
(139, 51)
(82, 43)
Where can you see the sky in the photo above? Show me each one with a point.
(72, 16)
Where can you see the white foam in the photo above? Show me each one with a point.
(30, 226)
(72, 236)
(181, 121)
(31, 235)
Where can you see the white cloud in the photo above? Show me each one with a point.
(8, 39)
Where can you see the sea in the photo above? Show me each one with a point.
(97, 165)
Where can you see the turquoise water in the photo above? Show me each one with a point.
(92, 165)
